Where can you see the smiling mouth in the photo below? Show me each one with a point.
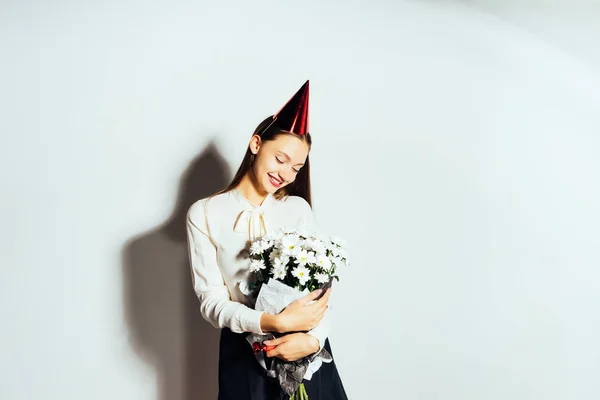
(276, 182)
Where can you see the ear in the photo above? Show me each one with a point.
(255, 143)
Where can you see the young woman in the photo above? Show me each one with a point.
(270, 190)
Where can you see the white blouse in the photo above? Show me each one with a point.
(218, 229)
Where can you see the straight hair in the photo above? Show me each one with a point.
(299, 187)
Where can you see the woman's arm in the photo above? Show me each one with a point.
(216, 305)
(292, 347)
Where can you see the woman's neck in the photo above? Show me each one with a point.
(248, 187)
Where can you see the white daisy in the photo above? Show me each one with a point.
(273, 236)
(302, 273)
(296, 252)
(257, 265)
(289, 243)
(256, 247)
(339, 252)
(322, 278)
(316, 245)
(279, 271)
(265, 245)
(304, 257)
(305, 233)
(337, 261)
(338, 241)
(343, 253)
(323, 261)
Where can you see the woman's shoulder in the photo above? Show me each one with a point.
(201, 207)
(297, 202)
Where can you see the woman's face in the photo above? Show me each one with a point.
(278, 161)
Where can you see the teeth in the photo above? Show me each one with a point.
(276, 180)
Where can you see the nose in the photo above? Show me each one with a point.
(286, 175)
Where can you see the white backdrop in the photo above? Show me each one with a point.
(455, 148)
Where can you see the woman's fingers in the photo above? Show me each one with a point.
(276, 341)
(325, 297)
(311, 296)
(273, 353)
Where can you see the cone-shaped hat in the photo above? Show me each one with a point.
(293, 116)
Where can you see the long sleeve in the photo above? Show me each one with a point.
(309, 222)
(216, 305)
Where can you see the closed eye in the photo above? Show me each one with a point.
(280, 161)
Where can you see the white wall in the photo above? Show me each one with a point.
(462, 135)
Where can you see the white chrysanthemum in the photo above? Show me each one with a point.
(257, 265)
(343, 254)
(279, 271)
(281, 262)
(268, 237)
(315, 245)
(286, 231)
(289, 243)
(265, 245)
(337, 261)
(256, 248)
(273, 236)
(296, 252)
(304, 257)
(339, 241)
(306, 234)
(322, 278)
(323, 261)
(302, 273)
(338, 252)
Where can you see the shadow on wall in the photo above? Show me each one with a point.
(166, 328)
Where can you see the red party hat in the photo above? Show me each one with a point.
(293, 116)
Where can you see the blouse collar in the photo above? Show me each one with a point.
(246, 203)
(251, 219)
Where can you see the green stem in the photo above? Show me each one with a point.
(300, 393)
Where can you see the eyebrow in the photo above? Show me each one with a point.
(288, 157)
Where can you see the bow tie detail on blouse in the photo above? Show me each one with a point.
(252, 222)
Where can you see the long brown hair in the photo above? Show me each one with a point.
(300, 186)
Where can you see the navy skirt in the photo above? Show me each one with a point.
(242, 378)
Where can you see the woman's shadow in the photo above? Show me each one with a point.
(162, 311)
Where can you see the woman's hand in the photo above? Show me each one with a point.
(301, 316)
(292, 347)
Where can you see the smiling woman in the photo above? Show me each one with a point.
(279, 159)
(278, 154)
(270, 190)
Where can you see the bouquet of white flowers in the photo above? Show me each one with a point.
(287, 265)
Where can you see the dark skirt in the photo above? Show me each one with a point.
(242, 378)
